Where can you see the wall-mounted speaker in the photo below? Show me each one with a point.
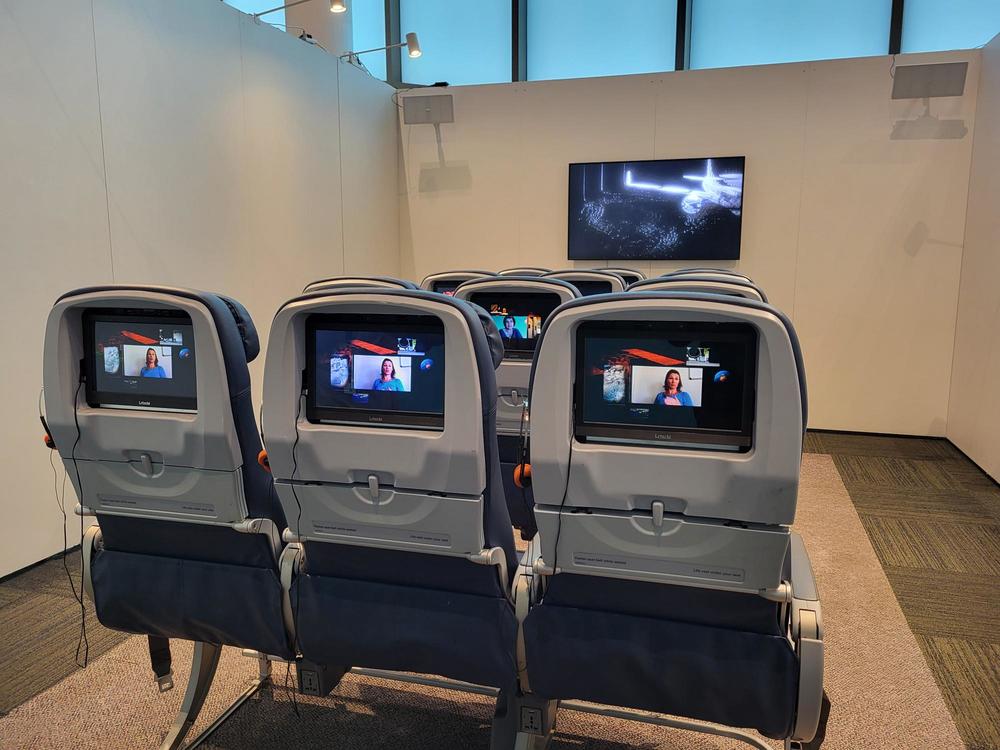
(926, 81)
(428, 110)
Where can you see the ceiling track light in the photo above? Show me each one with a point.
(412, 45)
(336, 6)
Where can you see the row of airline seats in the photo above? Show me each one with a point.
(606, 280)
(533, 298)
(389, 546)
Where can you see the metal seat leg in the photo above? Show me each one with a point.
(203, 665)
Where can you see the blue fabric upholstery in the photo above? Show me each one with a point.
(400, 568)
(194, 541)
(388, 609)
(174, 597)
(347, 623)
(688, 604)
(729, 676)
(520, 500)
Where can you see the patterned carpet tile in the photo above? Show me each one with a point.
(38, 647)
(989, 500)
(935, 544)
(899, 473)
(970, 477)
(961, 506)
(892, 446)
(48, 577)
(968, 673)
(952, 605)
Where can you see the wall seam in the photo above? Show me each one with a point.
(104, 153)
(340, 168)
(246, 150)
(965, 230)
(802, 180)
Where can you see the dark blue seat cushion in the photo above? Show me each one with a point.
(214, 602)
(195, 541)
(732, 677)
(400, 568)
(520, 500)
(365, 623)
(387, 609)
(688, 604)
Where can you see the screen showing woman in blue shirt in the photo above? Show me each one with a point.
(388, 381)
(152, 368)
(509, 331)
(673, 391)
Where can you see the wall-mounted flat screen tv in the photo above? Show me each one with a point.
(666, 209)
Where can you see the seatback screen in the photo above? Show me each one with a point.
(140, 359)
(630, 278)
(446, 287)
(375, 370)
(588, 287)
(666, 383)
(519, 317)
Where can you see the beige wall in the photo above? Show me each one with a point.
(175, 143)
(856, 236)
(974, 409)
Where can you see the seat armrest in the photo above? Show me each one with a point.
(289, 566)
(527, 584)
(92, 541)
(267, 528)
(803, 580)
(496, 558)
(806, 630)
(806, 608)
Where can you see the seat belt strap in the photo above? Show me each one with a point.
(159, 658)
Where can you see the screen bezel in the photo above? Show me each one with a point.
(513, 353)
(356, 417)
(452, 283)
(663, 436)
(99, 399)
(626, 274)
(576, 283)
(569, 207)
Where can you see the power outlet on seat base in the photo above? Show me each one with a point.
(317, 679)
(531, 720)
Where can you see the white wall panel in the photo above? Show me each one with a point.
(369, 137)
(172, 111)
(292, 227)
(462, 183)
(880, 248)
(974, 409)
(758, 113)
(53, 237)
(858, 237)
(223, 150)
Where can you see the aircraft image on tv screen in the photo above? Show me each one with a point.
(677, 209)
